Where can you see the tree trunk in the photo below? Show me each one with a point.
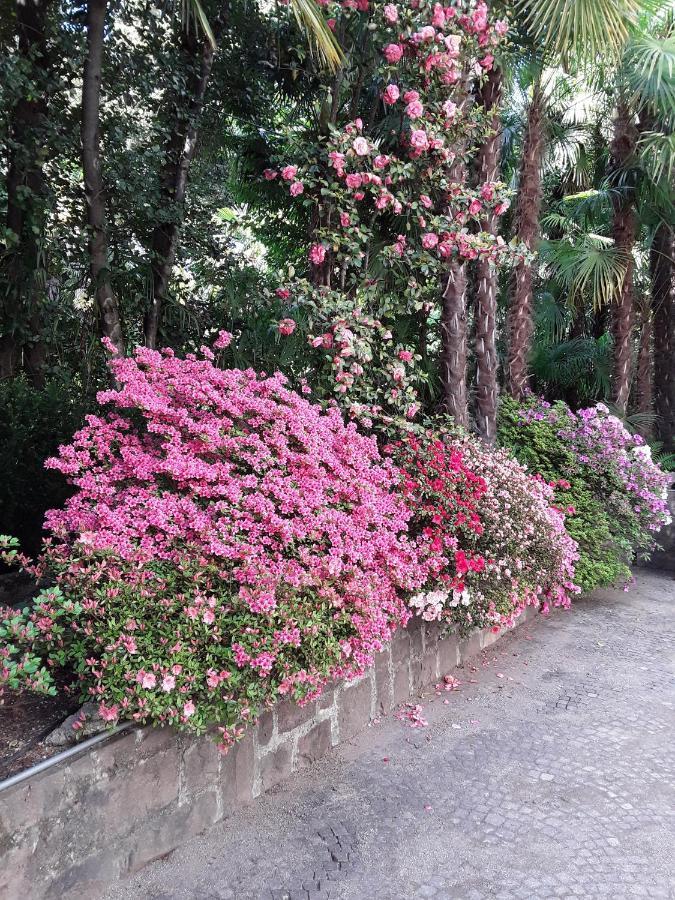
(454, 344)
(528, 209)
(624, 230)
(644, 385)
(662, 265)
(109, 316)
(22, 273)
(486, 274)
(178, 155)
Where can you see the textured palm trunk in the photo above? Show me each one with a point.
(178, 155)
(662, 265)
(528, 210)
(454, 344)
(106, 301)
(486, 275)
(644, 381)
(21, 272)
(624, 230)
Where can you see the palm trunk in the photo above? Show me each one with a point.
(624, 230)
(486, 274)
(528, 209)
(178, 155)
(662, 265)
(21, 273)
(109, 316)
(644, 382)
(454, 344)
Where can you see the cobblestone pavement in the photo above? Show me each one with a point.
(548, 773)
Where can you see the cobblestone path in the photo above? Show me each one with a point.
(548, 773)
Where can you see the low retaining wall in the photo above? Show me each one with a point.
(665, 558)
(69, 831)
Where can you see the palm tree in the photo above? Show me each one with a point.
(562, 31)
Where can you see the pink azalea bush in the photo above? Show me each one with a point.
(497, 528)
(227, 543)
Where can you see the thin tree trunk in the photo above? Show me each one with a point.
(644, 381)
(454, 344)
(178, 155)
(662, 265)
(624, 231)
(21, 270)
(528, 209)
(486, 274)
(109, 316)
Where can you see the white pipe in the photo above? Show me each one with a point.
(60, 757)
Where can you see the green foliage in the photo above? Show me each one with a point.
(32, 425)
(604, 551)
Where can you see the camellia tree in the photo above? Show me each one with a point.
(396, 218)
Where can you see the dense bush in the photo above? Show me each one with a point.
(227, 542)
(614, 493)
(33, 422)
(502, 543)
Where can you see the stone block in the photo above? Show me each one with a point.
(201, 765)
(429, 667)
(448, 654)
(265, 728)
(354, 708)
(383, 684)
(290, 715)
(416, 640)
(237, 771)
(432, 635)
(163, 834)
(400, 646)
(276, 766)
(315, 744)
(402, 684)
(469, 646)
(488, 637)
(327, 698)
(27, 803)
(119, 752)
(155, 740)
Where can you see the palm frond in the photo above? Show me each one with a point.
(322, 41)
(650, 71)
(657, 155)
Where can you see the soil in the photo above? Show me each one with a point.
(25, 721)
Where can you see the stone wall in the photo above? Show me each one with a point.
(665, 558)
(73, 829)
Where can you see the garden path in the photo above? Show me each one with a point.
(549, 773)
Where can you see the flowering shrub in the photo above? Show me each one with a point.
(604, 476)
(501, 540)
(391, 185)
(227, 543)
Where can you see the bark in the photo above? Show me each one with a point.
(486, 275)
(108, 308)
(454, 344)
(21, 270)
(624, 230)
(528, 209)
(662, 265)
(644, 381)
(178, 156)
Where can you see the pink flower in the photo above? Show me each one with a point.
(188, 709)
(283, 293)
(109, 713)
(353, 180)
(501, 208)
(288, 173)
(208, 617)
(487, 62)
(429, 240)
(390, 13)
(380, 162)
(317, 254)
(414, 109)
(148, 680)
(501, 27)
(270, 174)
(393, 53)
(331, 24)
(391, 94)
(450, 109)
(361, 147)
(223, 340)
(426, 201)
(345, 220)
(419, 140)
(487, 191)
(405, 356)
(297, 188)
(409, 96)
(475, 207)
(287, 326)
(168, 683)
